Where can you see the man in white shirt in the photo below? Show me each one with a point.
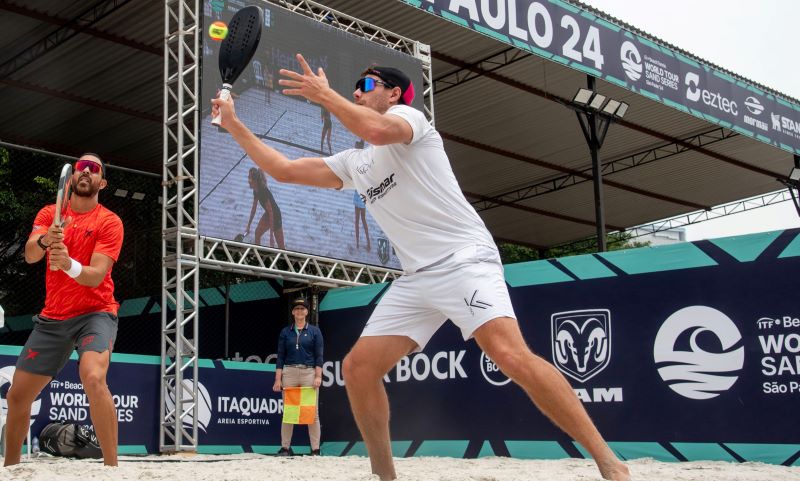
(451, 266)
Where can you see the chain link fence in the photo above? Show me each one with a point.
(240, 315)
(28, 182)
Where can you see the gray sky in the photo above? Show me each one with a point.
(756, 39)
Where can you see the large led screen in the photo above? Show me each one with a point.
(242, 203)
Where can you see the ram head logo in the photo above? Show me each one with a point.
(581, 342)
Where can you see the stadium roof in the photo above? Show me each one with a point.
(88, 75)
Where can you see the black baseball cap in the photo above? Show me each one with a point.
(300, 301)
(395, 78)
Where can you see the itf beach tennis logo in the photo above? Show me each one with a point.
(698, 351)
(631, 61)
(203, 403)
(581, 342)
(6, 377)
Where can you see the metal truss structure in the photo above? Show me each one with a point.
(84, 20)
(185, 252)
(229, 256)
(694, 217)
(628, 162)
(321, 13)
(180, 244)
(714, 213)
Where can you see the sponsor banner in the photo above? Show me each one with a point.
(134, 388)
(692, 343)
(240, 408)
(237, 409)
(568, 35)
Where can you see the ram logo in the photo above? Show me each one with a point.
(581, 342)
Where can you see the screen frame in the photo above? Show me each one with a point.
(263, 261)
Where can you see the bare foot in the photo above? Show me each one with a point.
(615, 471)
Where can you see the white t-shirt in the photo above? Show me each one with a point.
(412, 193)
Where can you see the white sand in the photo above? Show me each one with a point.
(249, 467)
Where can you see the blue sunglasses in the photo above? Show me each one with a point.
(367, 84)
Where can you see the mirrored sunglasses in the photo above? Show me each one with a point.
(367, 84)
(81, 165)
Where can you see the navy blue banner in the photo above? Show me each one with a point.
(134, 387)
(676, 351)
(237, 410)
(680, 352)
(579, 39)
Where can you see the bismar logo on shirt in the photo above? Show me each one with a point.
(376, 192)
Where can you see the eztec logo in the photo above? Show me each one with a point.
(631, 61)
(698, 350)
(581, 342)
(376, 192)
(712, 99)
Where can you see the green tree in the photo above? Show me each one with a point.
(27, 183)
(511, 253)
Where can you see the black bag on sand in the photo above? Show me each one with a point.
(69, 440)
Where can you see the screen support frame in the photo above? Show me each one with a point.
(184, 252)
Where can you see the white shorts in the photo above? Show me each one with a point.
(467, 287)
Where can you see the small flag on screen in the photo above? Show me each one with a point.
(299, 405)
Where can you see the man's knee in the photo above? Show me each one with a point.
(16, 398)
(355, 370)
(349, 368)
(94, 382)
(514, 361)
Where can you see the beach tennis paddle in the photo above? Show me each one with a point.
(238, 47)
(62, 197)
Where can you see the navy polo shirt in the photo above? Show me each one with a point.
(300, 347)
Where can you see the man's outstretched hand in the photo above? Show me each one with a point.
(306, 84)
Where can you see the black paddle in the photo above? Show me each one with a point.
(238, 47)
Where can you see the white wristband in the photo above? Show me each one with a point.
(75, 268)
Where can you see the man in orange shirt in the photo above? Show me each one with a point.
(80, 311)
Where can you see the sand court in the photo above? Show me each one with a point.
(251, 467)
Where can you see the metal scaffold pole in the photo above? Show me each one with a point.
(185, 251)
(180, 269)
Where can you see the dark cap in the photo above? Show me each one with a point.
(300, 301)
(395, 78)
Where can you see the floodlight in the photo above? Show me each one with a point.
(623, 107)
(795, 174)
(597, 101)
(583, 96)
(611, 107)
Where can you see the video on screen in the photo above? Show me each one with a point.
(240, 202)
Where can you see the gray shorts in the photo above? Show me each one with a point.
(51, 342)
